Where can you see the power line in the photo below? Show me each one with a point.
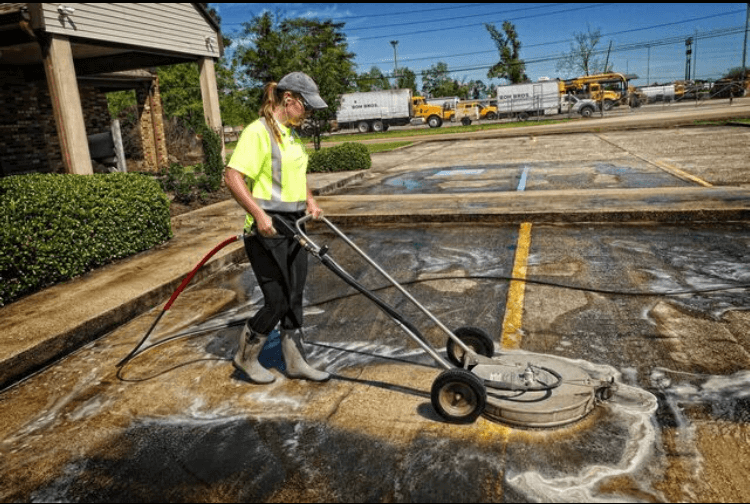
(633, 30)
(422, 21)
(411, 33)
(369, 16)
(678, 39)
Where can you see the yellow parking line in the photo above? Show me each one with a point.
(680, 173)
(512, 334)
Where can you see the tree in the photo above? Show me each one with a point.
(374, 80)
(478, 89)
(407, 80)
(435, 80)
(510, 66)
(281, 46)
(179, 86)
(582, 60)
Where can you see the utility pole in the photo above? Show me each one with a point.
(606, 62)
(744, 47)
(394, 43)
(695, 57)
(688, 52)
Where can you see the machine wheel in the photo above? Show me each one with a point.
(458, 396)
(434, 121)
(474, 338)
(377, 126)
(363, 127)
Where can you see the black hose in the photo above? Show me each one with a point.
(389, 310)
(544, 283)
(400, 318)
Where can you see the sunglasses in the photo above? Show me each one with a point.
(308, 107)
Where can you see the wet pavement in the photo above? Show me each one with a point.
(661, 305)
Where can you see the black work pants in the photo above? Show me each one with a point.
(280, 267)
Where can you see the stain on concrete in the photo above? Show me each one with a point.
(697, 344)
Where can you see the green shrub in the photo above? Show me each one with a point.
(187, 185)
(56, 227)
(213, 168)
(345, 157)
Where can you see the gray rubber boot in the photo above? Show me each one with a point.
(294, 358)
(246, 359)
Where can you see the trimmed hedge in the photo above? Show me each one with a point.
(345, 157)
(55, 227)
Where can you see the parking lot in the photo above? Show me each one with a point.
(656, 297)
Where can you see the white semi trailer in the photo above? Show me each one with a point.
(539, 98)
(376, 110)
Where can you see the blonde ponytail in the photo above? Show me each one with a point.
(271, 98)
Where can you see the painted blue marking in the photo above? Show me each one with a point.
(451, 173)
(522, 182)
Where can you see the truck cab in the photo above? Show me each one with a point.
(434, 115)
(570, 104)
(485, 111)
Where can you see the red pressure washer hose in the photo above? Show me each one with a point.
(177, 293)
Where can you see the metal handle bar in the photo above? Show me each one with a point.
(310, 245)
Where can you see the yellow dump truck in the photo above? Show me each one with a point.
(434, 115)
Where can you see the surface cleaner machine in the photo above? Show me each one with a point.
(517, 388)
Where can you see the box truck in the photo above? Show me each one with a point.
(376, 110)
(540, 98)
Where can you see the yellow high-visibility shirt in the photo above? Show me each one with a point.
(277, 184)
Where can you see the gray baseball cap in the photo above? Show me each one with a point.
(301, 83)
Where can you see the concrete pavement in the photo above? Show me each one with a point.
(45, 326)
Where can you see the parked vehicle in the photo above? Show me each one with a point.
(573, 105)
(659, 93)
(434, 115)
(592, 86)
(520, 101)
(376, 110)
(485, 111)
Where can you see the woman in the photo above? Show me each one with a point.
(267, 177)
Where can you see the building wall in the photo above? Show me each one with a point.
(28, 136)
(173, 27)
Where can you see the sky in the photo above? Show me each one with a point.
(647, 40)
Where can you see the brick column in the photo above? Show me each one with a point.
(160, 141)
(152, 126)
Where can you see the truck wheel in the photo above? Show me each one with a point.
(491, 116)
(587, 111)
(465, 121)
(608, 104)
(434, 121)
(377, 126)
(523, 116)
(363, 127)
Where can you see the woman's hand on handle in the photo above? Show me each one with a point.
(312, 206)
(265, 225)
